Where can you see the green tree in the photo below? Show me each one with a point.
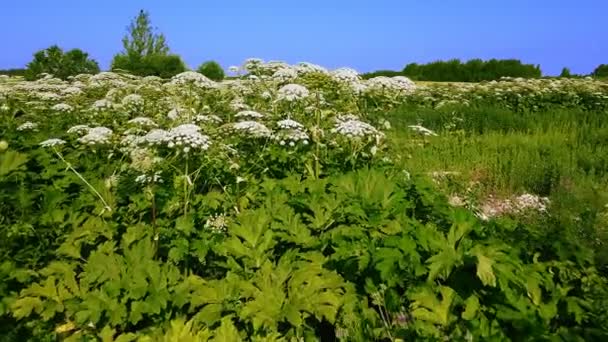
(565, 72)
(212, 70)
(146, 53)
(59, 64)
(601, 71)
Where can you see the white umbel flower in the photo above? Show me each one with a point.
(193, 78)
(79, 129)
(96, 136)
(27, 126)
(212, 119)
(101, 105)
(345, 75)
(156, 137)
(253, 128)
(249, 114)
(355, 129)
(52, 142)
(285, 74)
(422, 130)
(62, 108)
(292, 92)
(289, 124)
(187, 137)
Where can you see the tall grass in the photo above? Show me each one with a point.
(562, 154)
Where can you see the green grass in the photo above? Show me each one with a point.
(561, 154)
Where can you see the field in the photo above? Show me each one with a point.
(300, 204)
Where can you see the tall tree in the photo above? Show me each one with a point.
(140, 39)
(146, 53)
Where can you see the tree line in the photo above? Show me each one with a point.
(146, 53)
(475, 70)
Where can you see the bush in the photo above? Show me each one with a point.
(59, 64)
(12, 72)
(165, 66)
(474, 70)
(601, 71)
(212, 70)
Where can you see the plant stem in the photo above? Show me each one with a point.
(84, 180)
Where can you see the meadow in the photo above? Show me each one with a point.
(295, 203)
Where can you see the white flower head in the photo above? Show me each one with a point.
(422, 130)
(285, 74)
(96, 136)
(79, 129)
(289, 124)
(62, 108)
(355, 129)
(187, 137)
(249, 114)
(27, 126)
(52, 142)
(292, 92)
(156, 137)
(212, 119)
(252, 128)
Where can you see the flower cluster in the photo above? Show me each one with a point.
(292, 92)
(249, 114)
(187, 137)
(27, 126)
(62, 108)
(252, 128)
(96, 136)
(354, 128)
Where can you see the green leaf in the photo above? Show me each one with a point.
(471, 307)
(226, 332)
(427, 307)
(11, 161)
(185, 224)
(484, 270)
(23, 307)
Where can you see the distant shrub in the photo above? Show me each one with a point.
(601, 71)
(474, 70)
(212, 70)
(387, 73)
(165, 66)
(13, 72)
(59, 64)
(565, 73)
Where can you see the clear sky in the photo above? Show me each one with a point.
(365, 35)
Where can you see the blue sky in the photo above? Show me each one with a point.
(366, 35)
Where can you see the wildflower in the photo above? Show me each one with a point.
(62, 107)
(187, 136)
(133, 102)
(355, 129)
(149, 179)
(234, 69)
(217, 223)
(52, 142)
(28, 126)
(96, 135)
(253, 128)
(3, 145)
(193, 78)
(249, 114)
(345, 75)
(79, 129)
(285, 74)
(289, 124)
(156, 137)
(207, 119)
(422, 130)
(292, 92)
(101, 105)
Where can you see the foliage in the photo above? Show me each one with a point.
(601, 71)
(164, 66)
(277, 208)
(565, 72)
(474, 70)
(212, 70)
(13, 72)
(146, 53)
(59, 64)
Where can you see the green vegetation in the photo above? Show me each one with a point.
(146, 53)
(306, 205)
(59, 64)
(601, 71)
(212, 70)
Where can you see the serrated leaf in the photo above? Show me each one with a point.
(11, 161)
(226, 332)
(484, 270)
(471, 307)
(23, 307)
(427, 307)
